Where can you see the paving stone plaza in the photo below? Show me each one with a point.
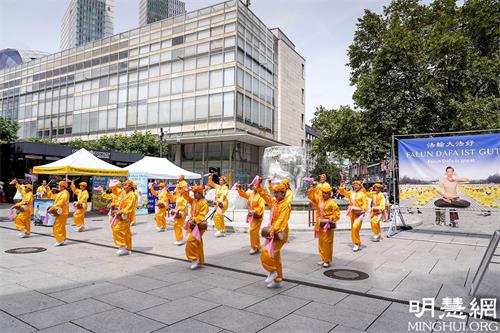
(83, 286)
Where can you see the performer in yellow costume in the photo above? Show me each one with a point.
(25, 210)
(376, 211)
(327, 211)
(181, 185)
(270, 256)
(199, 210)
(80, 205)
(358, 206)
(134, 215)
(41, 191)
(115, 194)
(162, 205)
(221, 203)
(120, 225)
(255, 215)
(179, 213)
(60, 209)
(289, 193)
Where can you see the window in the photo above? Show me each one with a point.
(142, 114)
(132, 115)
(202, 107)
(177, 66)
(202, 61)
(103, 115)
(143, 91)
(132, 93)
(189, 83)
(177, 40)
(203, 34)
(176, 111)
(239, 105)
(216, 79)
(203, 47)
(164, 87)
(202, 81)
(302, 121)
(153, 89)
(228, 104)
(302, 96)
(215, 105)
(303, 70)
(228, 56)
(188, 109)
(112, 119)
(103, 98)
(190, 64)
(152, 113)
(229, 76)
(164, 112)
(177, 85)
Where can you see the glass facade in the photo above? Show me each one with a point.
(206, 72)
(151, 11)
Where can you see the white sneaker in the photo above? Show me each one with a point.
(253, 251)
(376, 238)
(159, 229)
(355, 248)
(58, 244)
(21, 234)
(178, 243)
(80, 229)
(275, 285)
(123, 251)
(320, 263)
(271, 276)
(194, 264)
(326, 265)
(218, 234)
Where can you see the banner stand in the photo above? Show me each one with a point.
(393, 225)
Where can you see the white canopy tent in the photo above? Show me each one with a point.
(81, 162)
(160, 168)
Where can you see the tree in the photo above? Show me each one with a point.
(323, 165)
(8, 130)
(140, 143)
(420, 68)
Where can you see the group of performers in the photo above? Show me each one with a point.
(278, 197)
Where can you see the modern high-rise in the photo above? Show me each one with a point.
(85, 21)
(220, 84)
(151, 11)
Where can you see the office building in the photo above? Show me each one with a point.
(13, 57)
(85, 21)
(209, 78)
(151, 11)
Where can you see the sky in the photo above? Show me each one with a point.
(321, 30)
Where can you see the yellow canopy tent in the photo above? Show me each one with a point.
(81, 162)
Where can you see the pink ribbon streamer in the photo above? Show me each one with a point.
(255, 180)
(269, 246)
(235, 186)
(309, 179)
(11, 214)
(113, 182)
(13, 181)
(196, 233)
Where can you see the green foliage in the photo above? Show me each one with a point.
(326, 167)
(42, 140)
(140, 143)
(417, 68)
(8, 130)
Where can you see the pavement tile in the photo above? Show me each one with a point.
(50, 284)
(370, 305)
(119, 321)
(345, 329)
(226, 282)
(180, 290)
(92, 290)
(25, 301)
(139, 283)
(299, 324)
(178, 310)
(229, 297)
(65, 328)
(64, 313)
(190, 325)
(131, 300)
(234, 320)
(259, 289)
(277, 306)
(10, 324)
(315, 294)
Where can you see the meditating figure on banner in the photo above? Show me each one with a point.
(180, 211)
(255, 214)
(122, 219)
(162, 205)
(80, 205)
(196, 226)
(327, 214)
(24, 209)
(60, 210)
(358, 206)
(377, 210)
(447, 189)
(114, 193)
(276, 234)
(289, 193)
(220, 204)
(41, 191)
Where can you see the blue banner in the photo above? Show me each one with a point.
(461, 171)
